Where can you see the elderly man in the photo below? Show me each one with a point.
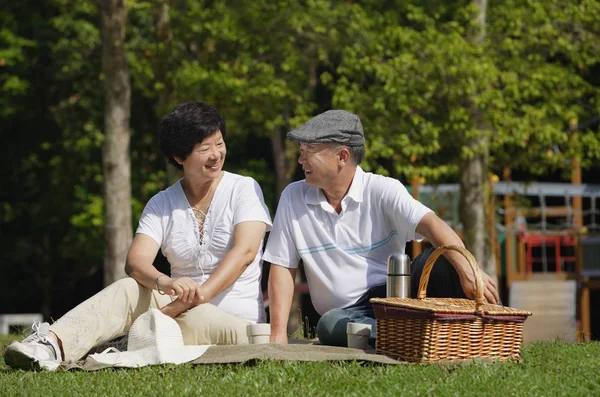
(344, 223)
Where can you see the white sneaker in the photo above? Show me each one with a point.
(37, 351)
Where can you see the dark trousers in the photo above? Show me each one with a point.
(443, 283)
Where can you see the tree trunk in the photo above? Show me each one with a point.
(115, 150)
(282, 179)
(163, 62)
(474, 191)
(284, 159)
(474, 205)
(280, 162)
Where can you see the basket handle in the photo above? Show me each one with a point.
(422, 293)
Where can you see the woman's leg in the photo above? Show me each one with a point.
(104, 316)
(206, 324)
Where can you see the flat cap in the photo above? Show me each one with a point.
(337, 126)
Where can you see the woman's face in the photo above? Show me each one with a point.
(207, 158)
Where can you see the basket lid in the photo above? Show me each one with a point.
(450, 306)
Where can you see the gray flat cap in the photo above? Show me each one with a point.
(332, 126)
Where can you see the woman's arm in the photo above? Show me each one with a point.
(139, 265)
(140, 259)
(247, 237)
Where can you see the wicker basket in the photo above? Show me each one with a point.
(427, 330)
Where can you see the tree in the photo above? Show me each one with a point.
(432, 95)
(548, 54)
(412, 70)
(115, 150)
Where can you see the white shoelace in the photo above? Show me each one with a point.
(39, 333)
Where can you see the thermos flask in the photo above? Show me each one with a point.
(398, 277)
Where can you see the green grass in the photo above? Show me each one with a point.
(547, 369)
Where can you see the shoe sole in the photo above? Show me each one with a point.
(17, 359)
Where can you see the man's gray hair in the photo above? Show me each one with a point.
(357, 153)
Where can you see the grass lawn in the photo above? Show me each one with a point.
(546, 369)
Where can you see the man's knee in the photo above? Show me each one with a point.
(331, 328)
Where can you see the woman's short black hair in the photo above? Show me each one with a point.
(188, 125)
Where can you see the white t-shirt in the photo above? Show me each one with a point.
(170, 221)
(343, 254)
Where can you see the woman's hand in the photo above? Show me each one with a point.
(184, 288)
(177, 307)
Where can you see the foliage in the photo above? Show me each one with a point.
(549, 59)
(53, 207)
(415, 80)
(408, 68)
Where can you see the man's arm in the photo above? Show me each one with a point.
(281, 293)
(439, 233)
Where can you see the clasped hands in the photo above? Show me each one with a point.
(188, 292)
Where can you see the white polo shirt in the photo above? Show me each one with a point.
(344, 254)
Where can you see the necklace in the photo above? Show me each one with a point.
(199, 214)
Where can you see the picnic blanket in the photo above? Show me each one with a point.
(291, 352)
(246, 354)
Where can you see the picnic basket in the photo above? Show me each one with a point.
(428, 330)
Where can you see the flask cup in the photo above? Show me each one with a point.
(398, 277)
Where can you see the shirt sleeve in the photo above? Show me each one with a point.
(250, 204)
(405, 211)
(281, 248)
(151, 220)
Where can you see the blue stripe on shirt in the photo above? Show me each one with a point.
(351, 251)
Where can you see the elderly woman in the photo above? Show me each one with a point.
(210, 226)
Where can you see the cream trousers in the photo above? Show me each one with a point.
(110, 313)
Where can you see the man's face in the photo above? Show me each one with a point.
(319, 163)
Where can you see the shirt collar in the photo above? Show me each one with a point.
(356, 189)
(315, 196)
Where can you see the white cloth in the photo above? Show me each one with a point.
(154, 338)
(170, 221)
(343, 254)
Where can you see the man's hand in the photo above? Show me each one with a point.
(439, 233)
(490, 290)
